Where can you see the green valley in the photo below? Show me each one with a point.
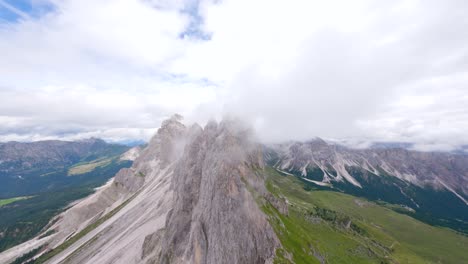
(22, 218)
(332, 227)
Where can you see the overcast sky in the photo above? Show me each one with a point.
(358, 70)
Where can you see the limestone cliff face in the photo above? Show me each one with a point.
(186, 199)
(215, 218)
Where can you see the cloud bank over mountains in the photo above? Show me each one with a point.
(361, 70)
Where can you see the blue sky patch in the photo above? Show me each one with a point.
(15, 10)
(194, 29)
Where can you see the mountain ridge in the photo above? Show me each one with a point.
(187, 198)
(32, 167)
(433, 186)
(398, 162)
(210, 195)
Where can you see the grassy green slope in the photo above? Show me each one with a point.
(12, 200)
(85, 167)
(340, 228)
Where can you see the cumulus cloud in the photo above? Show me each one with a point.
(366, 70)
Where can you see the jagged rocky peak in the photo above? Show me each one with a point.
(172, 126)
(171, 129)
(215, 219)
(166, 144)
(189, 197)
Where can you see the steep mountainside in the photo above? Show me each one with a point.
(205, 195)
(432, 185)
(215, 219)
(184, 200)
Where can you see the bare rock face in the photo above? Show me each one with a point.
(186, 199)
(215, 218)
(129, 179)
(131, 154)
(279, 203)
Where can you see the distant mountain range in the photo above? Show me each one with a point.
(328, 163)
(213, 195)
(27, 168)
(432, 184)
(19, 157)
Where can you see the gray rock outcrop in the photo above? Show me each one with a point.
(215, 218)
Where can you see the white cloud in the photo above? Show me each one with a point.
(295, 69)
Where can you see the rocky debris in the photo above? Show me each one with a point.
(152, 246)
(361, 203)
(144, 176)
(129, 179)
(279, 203)
(321, 258)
